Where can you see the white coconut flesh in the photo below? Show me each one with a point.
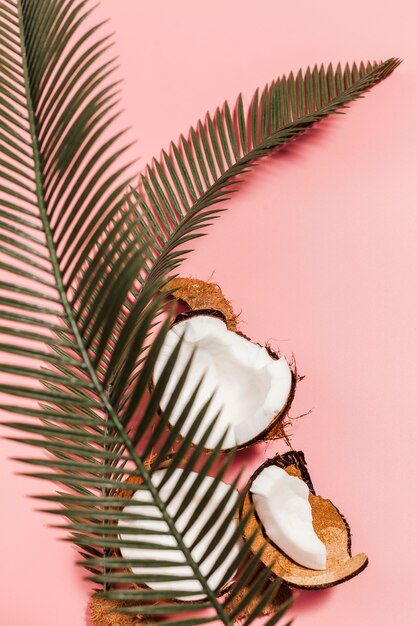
(141, 504)
(281, 502)
(250, 387)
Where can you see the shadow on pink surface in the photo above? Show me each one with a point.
(305, 600)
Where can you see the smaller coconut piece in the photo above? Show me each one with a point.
(282, 505)
(202, 296)
(329, 525)
(251, 387)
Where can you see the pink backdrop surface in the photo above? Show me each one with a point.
(319, 252)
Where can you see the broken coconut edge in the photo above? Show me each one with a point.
(329, 524)
(200, 296)
(276, 427)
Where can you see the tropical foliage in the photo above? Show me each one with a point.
(82, 315)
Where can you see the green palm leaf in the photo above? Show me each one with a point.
(76, 318)
(180, 193)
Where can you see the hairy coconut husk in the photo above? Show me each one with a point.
(200, 295)
(329, 524)
(102, 613)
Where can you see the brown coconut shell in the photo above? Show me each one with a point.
(200, 296)
(102, 612)
(276, 427)
(329, 524)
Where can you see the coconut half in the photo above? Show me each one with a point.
(141, 505)
(328, 525)
(252, 388)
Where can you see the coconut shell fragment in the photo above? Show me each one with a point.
(103, 612)
(329, 524)
(202, 296)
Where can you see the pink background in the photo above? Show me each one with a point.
(318, 251)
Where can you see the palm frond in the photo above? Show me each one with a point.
(180, 193)
(83, 329)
